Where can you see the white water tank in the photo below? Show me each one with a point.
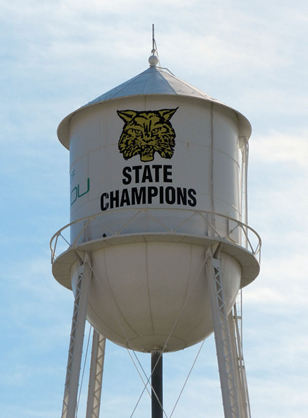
(156, 170)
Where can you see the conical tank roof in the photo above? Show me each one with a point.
(153, 81)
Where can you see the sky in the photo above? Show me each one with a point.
(58, 55)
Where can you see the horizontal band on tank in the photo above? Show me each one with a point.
(246, 248)
(147, 195)
(61, 266)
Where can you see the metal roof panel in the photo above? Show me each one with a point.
(153, 81)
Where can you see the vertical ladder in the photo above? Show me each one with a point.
(234, 319)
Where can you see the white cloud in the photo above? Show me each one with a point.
(41, 301)
(242, 41)
(279, 147)
(282, 284)
(279, 203)
(271, 396)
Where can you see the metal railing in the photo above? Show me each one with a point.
(215, 226)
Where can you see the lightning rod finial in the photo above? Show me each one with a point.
(153, 59)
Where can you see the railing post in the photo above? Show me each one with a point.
(210, 218)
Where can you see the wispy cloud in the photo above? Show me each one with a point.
(282, 285)
(272, 396)
(279, 147)
(279, 204)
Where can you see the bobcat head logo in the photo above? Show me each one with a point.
(147, 132)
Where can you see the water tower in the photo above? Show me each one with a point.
(159, 242)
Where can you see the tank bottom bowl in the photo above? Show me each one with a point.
(153, 295)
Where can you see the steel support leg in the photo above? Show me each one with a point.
(233, 320)
(96, 375)
(223, 341)
(157, 384)
(76, 341)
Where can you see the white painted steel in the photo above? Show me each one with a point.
(242, 386)
(136, 301)
(153, 81)
(124, 293)
(96, 375)
(143, 284)
(207, 158)
(83, 276)
(247, 252)
(225, 346)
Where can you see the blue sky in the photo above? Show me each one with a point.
(58, 55)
